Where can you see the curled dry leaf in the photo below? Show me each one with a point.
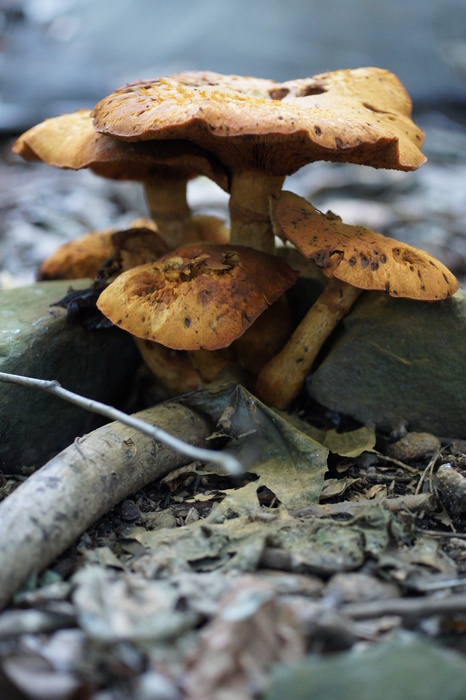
(233, 653)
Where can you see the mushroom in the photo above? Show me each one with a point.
(197, 298)
(264, 130)
(354, 258)
(85, 256)
(70, 141)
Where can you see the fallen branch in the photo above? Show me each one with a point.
(406, 607)
(228, 462)
(56, 504)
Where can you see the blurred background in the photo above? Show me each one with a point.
(59, 55)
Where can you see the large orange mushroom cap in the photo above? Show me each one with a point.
(359, 256)
(198, 296)
(358, 116)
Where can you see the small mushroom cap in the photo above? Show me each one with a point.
(359, 256)
(85, 256)
(358, 116)
(198, 296)
(70, 141)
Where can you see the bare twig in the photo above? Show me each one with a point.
(227, 461)
(407, 607)
(428, 471)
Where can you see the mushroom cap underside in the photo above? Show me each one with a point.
(70, 141)
(359, 256)
(360, 116)
(198, 296)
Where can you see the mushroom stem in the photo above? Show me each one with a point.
(249, 209)
(281, 379)
(172, 369)
(166, 199)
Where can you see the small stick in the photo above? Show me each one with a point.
(228, 462)
(406, 607)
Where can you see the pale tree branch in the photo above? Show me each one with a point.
(228, 462)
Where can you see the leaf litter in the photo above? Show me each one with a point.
(203, 585)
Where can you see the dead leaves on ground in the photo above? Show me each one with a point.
(217, 581)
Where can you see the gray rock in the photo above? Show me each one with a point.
(37, 341)
(399, 360)
(405, 666)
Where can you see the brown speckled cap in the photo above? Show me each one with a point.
(358, 116)
(70, 141)
(198, 296)
(359, 256)
(85, 256)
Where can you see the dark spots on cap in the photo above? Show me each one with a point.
(187, 321)
(143, 319)
(445, 277)
(383, 259)
(352, 261)
(411, 268)
(119, 322)
(374, 265)
(205, 296)
(278, 93)
(371, 108)
(309, 90)
(339, 143)
(387, 287)
(317, 131)
(364, 261)
(245, 317)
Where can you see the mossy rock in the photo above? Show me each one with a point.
(37, 341)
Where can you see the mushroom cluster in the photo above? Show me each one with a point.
(246, 134)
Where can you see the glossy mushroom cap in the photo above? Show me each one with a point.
(198, 296)
(359, 256)
(358, 116)
(70, 141)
